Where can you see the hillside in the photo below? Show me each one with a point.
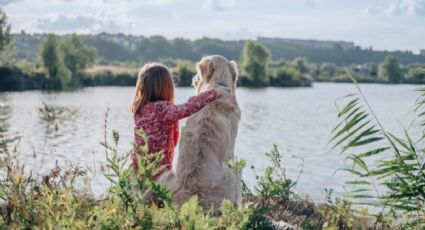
(129, 48)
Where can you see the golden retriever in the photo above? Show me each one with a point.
(208, 140)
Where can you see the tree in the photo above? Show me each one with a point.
(185, 70)
(300, 65)
(5, 38)
(287, 76)
(417, 75)
(52, 61)
(390, 70)
(76, 55)
(328, 70)
(255, 60)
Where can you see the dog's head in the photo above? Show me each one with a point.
(214, 71)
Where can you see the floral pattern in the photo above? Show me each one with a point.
(159, 120)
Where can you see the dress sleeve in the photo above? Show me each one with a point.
(193, 105)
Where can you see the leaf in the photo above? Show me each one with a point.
(367, 141)
(373, 152)
(358, 161)
(349, 135)
(348, 107)
(353, 172)
(356, 119)
(358, 196)
(357, 182)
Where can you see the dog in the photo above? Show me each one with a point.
(208, 141)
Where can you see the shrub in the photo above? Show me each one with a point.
(185, 70)
(388, 170)
(289, 76)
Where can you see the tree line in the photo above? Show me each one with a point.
(62, 61)
(120, 48)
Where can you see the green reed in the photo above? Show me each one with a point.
(388, 170)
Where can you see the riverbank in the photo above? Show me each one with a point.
(17, 79)
(57, 199)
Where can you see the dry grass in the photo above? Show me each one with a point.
(111, 69)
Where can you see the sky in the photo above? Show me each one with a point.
(381, 24)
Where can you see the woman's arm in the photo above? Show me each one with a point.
(193, 105)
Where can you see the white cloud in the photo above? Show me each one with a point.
(407, 7)
(7, 2)
(76, 23)
(218, 5)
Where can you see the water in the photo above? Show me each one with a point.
(297, 120)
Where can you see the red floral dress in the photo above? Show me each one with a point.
(159, 120)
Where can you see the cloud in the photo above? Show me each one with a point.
(77, 23)
(218, 5)
(407, 7)
(7, 2)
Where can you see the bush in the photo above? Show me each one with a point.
(108, 78)
(417, 75)
(388, 171)
(185, 70)
(14, 79)
(289, 76)
(274, 199)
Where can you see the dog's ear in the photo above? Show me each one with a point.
(205, 69)
(234, 71)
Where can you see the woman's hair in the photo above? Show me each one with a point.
(154, 83)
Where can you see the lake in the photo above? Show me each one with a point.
(297, 120)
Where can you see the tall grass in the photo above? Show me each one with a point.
(388, 170)
(133, 200)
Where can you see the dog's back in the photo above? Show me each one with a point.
(207, 140)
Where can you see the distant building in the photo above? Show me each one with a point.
(422, 52)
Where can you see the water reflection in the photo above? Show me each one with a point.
(6, 112)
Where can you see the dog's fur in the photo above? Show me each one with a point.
(208, 140)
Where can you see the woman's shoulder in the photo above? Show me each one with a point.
(156, 106)
(152, 111)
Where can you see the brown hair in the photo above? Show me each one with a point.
(154, 83)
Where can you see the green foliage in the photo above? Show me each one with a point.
(289, 76)
(76, 55)
(388, 170)
(133, 201)
(339, 214)
(328, 70)
(300, 65)
(5, 37)
(130, 48)
(254, 63)
(185, 70)
(417, 75)
(52, 60)
(274, 199)
(390, 70)
(64, 59)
